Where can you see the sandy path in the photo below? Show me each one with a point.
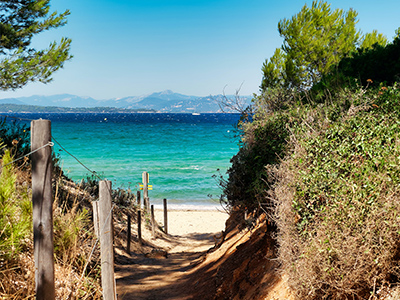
(144, 276)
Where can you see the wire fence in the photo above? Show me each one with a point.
(94, 173)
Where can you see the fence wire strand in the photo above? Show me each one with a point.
(74, 157)
(50, 144)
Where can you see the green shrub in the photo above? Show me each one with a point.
(16, 136)
(15, 212)
(375, 66)
(338, 200)
(247, 178)
(380, 63)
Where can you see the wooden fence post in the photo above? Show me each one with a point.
(165, 216)
(138, 198)
(139, 218)
(95, 205)
(153, 222)
(42, 201)
(139, 225)
(128, 243)
(145, 181)
(106, 241)
(147, 201)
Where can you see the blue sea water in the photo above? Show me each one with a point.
(181, 152)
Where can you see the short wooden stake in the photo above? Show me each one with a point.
(153, 222)
(165, 216)
(106, 241)
(138, 199)
(42, 214)
(145, 181)
(128, 243)
(139, 225)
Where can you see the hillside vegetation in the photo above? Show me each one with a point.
(321, 158)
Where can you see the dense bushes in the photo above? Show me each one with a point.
(382, 63)
(374, 66)
(338, 203)
(327, 164)
(247, 179)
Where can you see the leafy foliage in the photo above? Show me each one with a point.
(322, 152)
(315, 40)
(19, 21)
(372, 66)
(247, 177)
(379, 63)
(338, 201)
(371, 39)
(16, 136)
(264, 141)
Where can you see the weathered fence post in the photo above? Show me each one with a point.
(153, 222)
(95, 205)
(165, 216)
(128, 243)
(42, 201)
(145, 181)
(138, 198)
(106, 241)
(147, 204)
(139, 225)
(139, 218)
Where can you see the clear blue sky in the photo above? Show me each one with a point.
(195, 47)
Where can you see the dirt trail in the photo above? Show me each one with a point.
(154, 276)
(243, 267)
(147, 274)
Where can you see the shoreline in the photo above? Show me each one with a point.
(189, 207)
(188, 222)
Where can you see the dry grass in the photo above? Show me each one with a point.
(75, 276)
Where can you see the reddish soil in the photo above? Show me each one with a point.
(244, 266)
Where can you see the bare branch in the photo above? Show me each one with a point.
(235, 103)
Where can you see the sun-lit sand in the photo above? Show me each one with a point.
(183, 222)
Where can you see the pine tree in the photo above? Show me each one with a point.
(314, 40)
(20, 21)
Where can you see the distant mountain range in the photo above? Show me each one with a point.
(166, 101)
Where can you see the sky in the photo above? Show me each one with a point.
(127, 48)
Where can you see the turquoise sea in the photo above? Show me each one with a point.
(181, 152)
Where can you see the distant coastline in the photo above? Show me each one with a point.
(17, 108)
(27, 109)
(161, 102)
